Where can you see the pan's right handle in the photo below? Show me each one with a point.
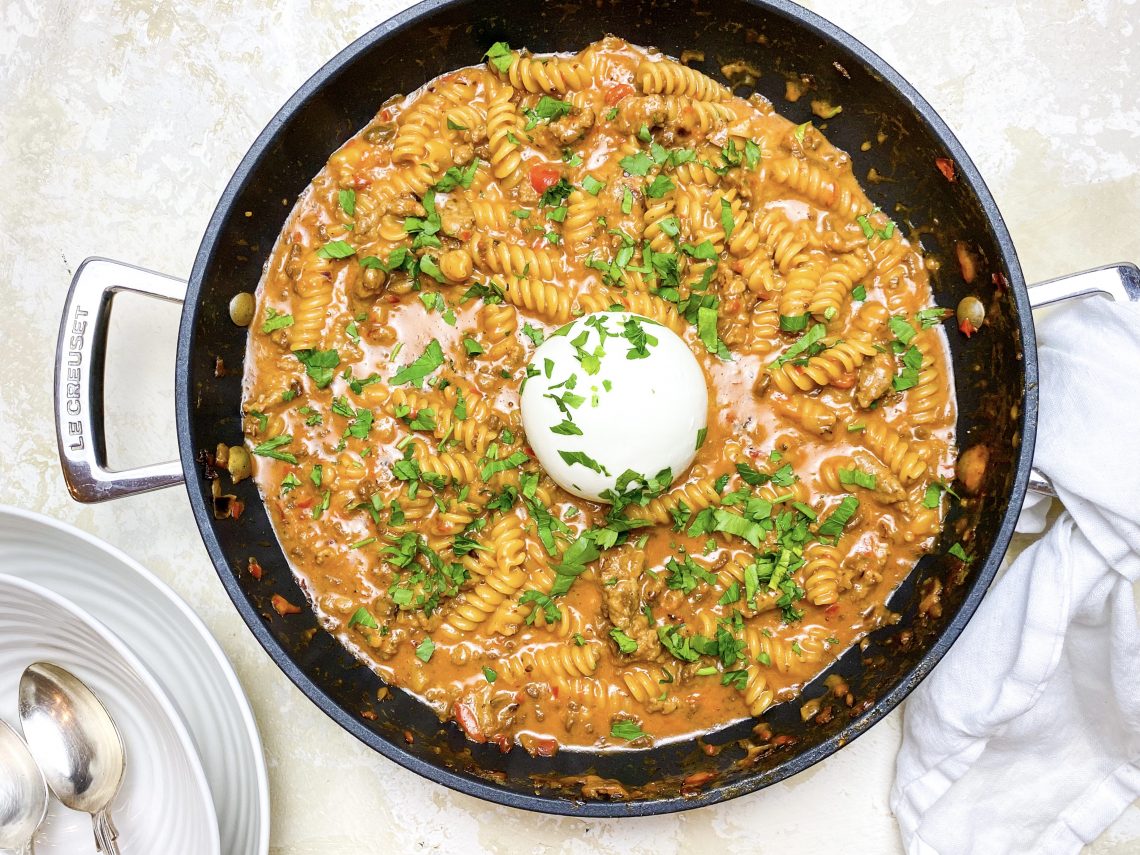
(1119, 282)
(79, 360)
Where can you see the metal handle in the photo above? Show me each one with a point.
(105, 832)
(79, 360)
(1116, 281)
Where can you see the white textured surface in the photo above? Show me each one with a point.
(121, 124)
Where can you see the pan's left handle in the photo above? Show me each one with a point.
(79, 360)
(1120, 282)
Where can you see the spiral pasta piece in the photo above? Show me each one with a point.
(927, 399)
(757, 696)
(494, 215)
(838, 361)
(510, 259)
(315, 292)
(455, 466)
(886, 443)
(813, 183)
(581, 218)
(550, 662)
(504, 135)
(551, 75)
(548, 301)
(836, 283)
(671, 78)
(821, 574)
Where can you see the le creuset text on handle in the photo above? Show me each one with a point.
(80, 356)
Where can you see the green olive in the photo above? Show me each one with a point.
(237, 463)
(241, 309)
(380, 132)
(972, 312)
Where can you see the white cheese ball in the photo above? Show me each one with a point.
(593, 414)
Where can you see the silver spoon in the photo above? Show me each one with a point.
(75, 743)
(23, 793)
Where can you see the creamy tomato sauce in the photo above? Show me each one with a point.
(394, 323)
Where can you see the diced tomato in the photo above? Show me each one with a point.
(255, 568)
(967, 328)
(946, 167)
(465, 717)
(505, 743)
(543, 176)
(618, 91)
(544, 747)
(283, 607)
(237, 508)
(697, 779)
(844, 381)
(831, 611)
(305, 504)
(554, 692)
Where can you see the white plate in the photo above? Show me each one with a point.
(172, 642)
(164, 803)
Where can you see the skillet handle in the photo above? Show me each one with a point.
(79, 361)
(1116, 281)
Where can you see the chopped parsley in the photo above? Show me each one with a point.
(624, 642)
(275, 321)
(415, 372)
(627, 730)
(859, 478)
(425, 649)
(336, 249)
(592, 185)
(270, 447)
(499, 55)
(320, 365)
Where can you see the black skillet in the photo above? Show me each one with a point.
(996, 373)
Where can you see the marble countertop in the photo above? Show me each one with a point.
(122, 123)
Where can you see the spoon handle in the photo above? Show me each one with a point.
(105, 833)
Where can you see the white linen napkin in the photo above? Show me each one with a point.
(1026, 737)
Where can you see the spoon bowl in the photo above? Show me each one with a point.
(76, 744)
(23, 793)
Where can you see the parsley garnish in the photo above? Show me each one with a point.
(425, 649)
(320, 365)
(425, 364)
(499, 55)
(627, 730)
(583, 459)
(270, 446)
(336, 249)
(624, 642)
(275, 321)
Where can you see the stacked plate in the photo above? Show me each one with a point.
(195, 780)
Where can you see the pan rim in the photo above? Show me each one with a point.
(550, 804)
